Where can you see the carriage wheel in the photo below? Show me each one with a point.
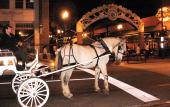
(33, 92)
(18, 79)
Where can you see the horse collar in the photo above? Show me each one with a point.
(104, 46)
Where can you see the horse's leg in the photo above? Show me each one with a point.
(65, 77)
(62, 76)
(104, 72)
(96, 84)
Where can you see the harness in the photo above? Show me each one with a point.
(97, 56)
(105, 47)
(70, 55)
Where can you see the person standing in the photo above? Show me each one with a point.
(138, 52)
(147, 50)
(13, 43)
(138, 49)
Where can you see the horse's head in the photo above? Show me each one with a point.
(117, 46)
(121, 48)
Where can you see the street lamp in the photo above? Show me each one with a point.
(120, 27)
(65, 16)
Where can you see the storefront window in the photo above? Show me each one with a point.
(24, 25)
(19, 4)
(30, 4)
(4, 4)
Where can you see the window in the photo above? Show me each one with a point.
(24, 25)
(2, 23)
(24, 29)
(18, 3)
(30, 4)
(4, 4)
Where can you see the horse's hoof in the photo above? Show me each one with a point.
(97, 90)
(106, 92)
(69, 96)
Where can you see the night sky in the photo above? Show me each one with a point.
(143, 8)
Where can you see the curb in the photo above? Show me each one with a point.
(163, 103)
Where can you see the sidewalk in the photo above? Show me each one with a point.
(154, 60)
(155, 104)
(150, 60)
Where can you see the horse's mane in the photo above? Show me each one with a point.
(111, 40)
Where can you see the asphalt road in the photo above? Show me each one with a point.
(152, 77)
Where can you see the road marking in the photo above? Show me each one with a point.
(4, 83)
(71, 79)
(141, 95)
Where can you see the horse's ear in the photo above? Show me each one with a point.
(123, 38)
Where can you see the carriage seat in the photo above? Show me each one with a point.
(21, 68)
(4, 53)
(28, 64)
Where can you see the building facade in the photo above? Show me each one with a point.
(28, 18)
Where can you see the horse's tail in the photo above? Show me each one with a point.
(60, 60)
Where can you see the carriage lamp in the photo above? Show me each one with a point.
(52, 64)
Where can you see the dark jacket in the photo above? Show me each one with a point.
(9, 42)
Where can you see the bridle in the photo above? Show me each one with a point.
(107, 51)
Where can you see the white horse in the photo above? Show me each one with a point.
(90, 56)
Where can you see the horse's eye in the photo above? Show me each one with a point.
(119, 48)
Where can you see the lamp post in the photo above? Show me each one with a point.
(65, 16)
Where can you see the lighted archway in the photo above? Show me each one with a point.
(112, 12)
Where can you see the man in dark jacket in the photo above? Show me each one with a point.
(13, 43)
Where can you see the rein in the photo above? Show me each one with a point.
(107, 51)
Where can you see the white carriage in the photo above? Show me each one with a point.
(30, 89)
(20, 85)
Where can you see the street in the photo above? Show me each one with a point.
(151, 78)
